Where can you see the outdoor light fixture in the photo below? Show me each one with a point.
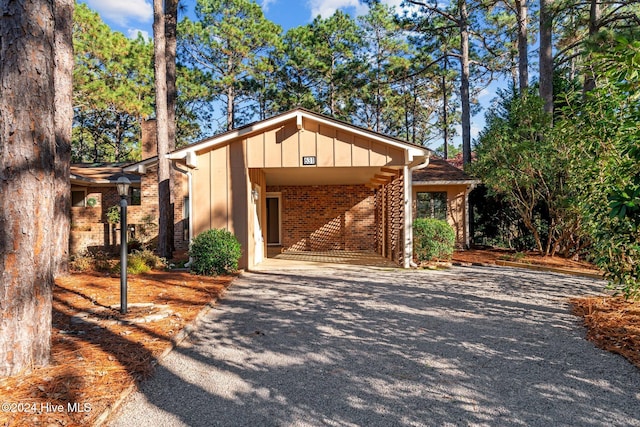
(122, 185)
(255, 195)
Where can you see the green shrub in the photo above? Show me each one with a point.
(113, 214)
(151, 259)
(433, 239)
(215, 252)
(136, 265)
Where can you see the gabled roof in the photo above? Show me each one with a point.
(440, 171)
(99, 173)
(298, 114)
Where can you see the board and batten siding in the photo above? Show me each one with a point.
(285, 146)
(221, 193)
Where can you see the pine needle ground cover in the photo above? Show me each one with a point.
(98, 353)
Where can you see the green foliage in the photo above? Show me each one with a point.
(433, 239)
(215, 251)
(227, 44)
(521, 160)
(136, 265)
(112, 90)
(149, 258)
(113, 214)
(601, 128)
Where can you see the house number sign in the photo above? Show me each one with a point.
(308, 160)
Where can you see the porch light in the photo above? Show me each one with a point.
(122, 184)
(255, 195)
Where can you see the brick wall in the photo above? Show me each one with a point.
(333, 217)
(90, 230)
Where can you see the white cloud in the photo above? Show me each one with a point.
(485, 93)
(266, 3)
(326, 8)
(123, 11)
(132, 33)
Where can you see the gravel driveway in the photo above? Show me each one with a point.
(373, 347)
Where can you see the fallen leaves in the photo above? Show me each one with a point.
(98, 353)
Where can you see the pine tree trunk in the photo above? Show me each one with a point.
(546, 56)
(170, 25)
(464, 83)
(164, 188)
(594, 26)
(27, 183)
(63, 76)
(523, 51)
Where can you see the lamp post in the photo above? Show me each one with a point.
(122, 185)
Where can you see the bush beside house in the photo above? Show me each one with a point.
(433, 239)
(214, 252)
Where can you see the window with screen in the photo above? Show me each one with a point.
(432, 205)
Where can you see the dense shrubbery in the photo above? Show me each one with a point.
(575, 182)
(433, 239)
(215, 252)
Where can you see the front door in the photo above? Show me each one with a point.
(273, 220)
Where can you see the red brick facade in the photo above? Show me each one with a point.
(91, 231)
(332, 217)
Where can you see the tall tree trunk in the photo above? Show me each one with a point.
(523, 48)
(164, 188)
(445, 119)
(546, 55)
(63, 74)
(594, 26)
(464, 83)
(231, 98)
(27, 182)
(170, 25)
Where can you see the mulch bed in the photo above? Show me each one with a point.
(97, 353)
(612, 323)
(492, 256)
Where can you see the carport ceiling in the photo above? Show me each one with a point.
(320, 175)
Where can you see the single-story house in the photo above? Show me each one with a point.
(301, 181)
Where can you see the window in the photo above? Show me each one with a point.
(185, 220)
(77, 198)
(432, 205)
(135, 196)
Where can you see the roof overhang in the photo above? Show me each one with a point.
(448, 182)
(413, 154)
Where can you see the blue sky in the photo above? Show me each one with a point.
(131, 16)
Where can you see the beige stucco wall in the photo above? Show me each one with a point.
(456, 207)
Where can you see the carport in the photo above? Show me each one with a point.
(301, 182)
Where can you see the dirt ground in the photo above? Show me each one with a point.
(98, 353)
